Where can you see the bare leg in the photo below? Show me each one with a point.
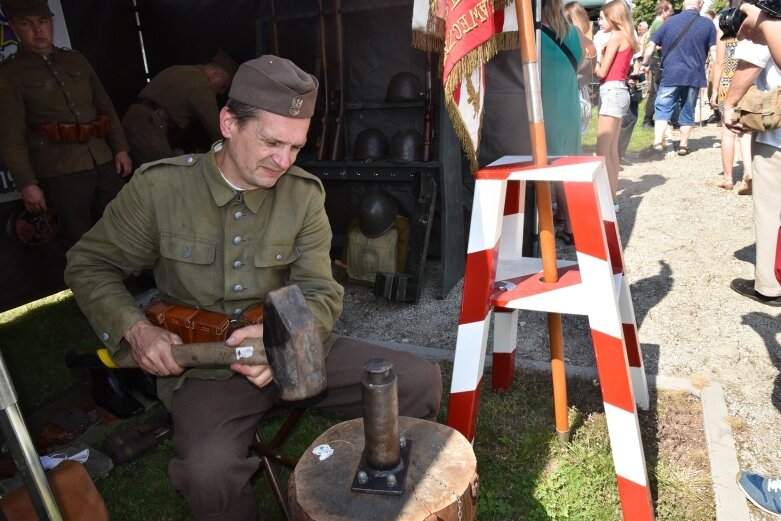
(659, 129)
(607, 146)
(745, 154)
(685, 133)
(727, 156)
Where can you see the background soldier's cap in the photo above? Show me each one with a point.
(20, 8)
(225, 62)
(276, 85)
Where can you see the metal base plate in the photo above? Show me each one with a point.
(378, 481)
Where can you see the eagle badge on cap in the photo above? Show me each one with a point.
(295, 106)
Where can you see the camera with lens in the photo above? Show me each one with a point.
(729, 22)
(730, 19)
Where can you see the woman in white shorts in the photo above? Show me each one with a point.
(613, 70)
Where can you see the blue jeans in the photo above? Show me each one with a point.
(668, 97)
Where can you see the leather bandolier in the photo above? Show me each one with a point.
(195, 325)
(57, 132)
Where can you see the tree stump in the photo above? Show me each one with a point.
(441, 483)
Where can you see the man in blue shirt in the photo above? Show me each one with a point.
(686, 40)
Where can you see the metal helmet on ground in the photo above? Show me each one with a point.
(376, 213)
(31, 229)
(370, 144)
(406, 146)
(405, 86)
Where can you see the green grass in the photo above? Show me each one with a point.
(641, 138)
(524, 472)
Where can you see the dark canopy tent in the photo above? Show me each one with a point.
(377, 45)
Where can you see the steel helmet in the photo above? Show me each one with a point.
(32, 229)
(376, 213)
(370, 144)
(406, 146)
(405, 86)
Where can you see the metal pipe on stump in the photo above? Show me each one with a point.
(374, 454)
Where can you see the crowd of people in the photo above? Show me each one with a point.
(681, 55)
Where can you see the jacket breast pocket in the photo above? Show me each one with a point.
(272, 263)
(187, 270)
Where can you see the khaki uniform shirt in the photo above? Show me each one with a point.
(61, 87)
(184, 91)
(210, 247)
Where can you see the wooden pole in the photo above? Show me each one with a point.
(532, 80)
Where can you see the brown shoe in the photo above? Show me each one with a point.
(744, 188)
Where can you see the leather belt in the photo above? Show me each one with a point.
(64, 132)
(159, 110)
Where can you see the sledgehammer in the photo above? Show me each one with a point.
(290, 346)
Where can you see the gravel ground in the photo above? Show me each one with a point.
(684, 240)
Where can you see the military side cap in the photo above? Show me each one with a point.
(19, 8)
(225, 62)
(275, 85)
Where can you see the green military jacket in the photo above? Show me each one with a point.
(209, 245)
(185, 93)
(61, 87)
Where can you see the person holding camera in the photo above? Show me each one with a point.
(758, 64)
(758, 25)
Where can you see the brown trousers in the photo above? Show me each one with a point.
(80, 198)
(214, 421)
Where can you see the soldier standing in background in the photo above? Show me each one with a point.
(155, 124)
(60, 136)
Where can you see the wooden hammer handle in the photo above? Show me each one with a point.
(206, 354)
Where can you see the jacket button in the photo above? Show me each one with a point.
(104, 336)
(278, 257)
(237, 240)
(238, 288)
(238, 215)
(236, 265)
(238, 311)
(190, 160)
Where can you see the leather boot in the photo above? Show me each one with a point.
(141, 381)
(112, 394)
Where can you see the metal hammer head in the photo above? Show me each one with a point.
(292, 343)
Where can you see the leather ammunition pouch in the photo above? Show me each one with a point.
(195, 325)
(55, 132)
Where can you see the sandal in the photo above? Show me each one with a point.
(566, 237)
(683, 150)
(745, 187)
(726, 184)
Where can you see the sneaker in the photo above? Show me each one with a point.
(714, 118)
(745, 287)
(649, 126)
(764, 492)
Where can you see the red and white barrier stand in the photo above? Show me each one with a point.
(499, 279)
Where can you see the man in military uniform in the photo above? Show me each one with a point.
(157, 122)
(220, 230)
(59, 134)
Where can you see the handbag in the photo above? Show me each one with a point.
(760, 110)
